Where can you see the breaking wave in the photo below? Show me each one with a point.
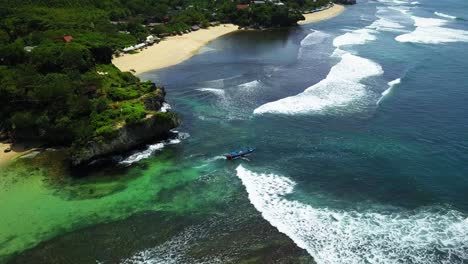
(430, 235)
(431, 31)
(151, 149)
(356, 37)
(217, 92)
(250, 85)
(389, 89)
(384, 24)
(313, 38)
(339, 88)
(165, 107)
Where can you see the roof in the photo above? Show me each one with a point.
(67, 38)
(242, 6)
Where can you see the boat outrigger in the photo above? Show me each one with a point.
(240, 154)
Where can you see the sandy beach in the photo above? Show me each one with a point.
(172, 50)
(322, 15)
(17, 150)
(176, 49)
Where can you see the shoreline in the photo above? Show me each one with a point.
(17, 150)
(176, 49)
(172, 50)
(331, 12)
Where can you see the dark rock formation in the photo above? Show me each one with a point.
(127, 137)
(153, 101)
(155, 126)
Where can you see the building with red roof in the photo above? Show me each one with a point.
(242, 6)
(67, 38)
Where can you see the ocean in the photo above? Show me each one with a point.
(360, 124)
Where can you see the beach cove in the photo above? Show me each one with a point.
(176, 49)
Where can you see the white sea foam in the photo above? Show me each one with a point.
(218, 83)
(389, 89)
(430, 31)
(339, 88)
(176, 251)
(445, 15)
(250, 85)
(385, 24)
(356, 37)
(151, 149)
(217, 92)
(313, 38)
(338, 53)
(401, 9)
(337, 236)
(165, 107)
(415, 3)
(206, 50)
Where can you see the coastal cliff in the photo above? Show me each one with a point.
(156, 124)
(153, 127)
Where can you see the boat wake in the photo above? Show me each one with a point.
(431, 235)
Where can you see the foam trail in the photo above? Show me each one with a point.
(445, 15)
(337, 236)
(430, 31)
(389, 89)
(415, 3)
(340, 87)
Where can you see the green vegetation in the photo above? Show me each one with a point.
(65, 90)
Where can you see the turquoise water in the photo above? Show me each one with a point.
(360, 124)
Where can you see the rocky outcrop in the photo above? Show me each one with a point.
(154, 127)
(153, 101)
